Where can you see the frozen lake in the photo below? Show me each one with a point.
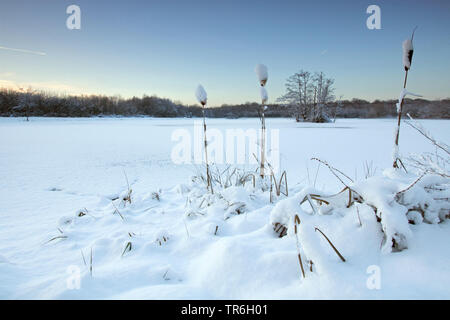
(50, 168)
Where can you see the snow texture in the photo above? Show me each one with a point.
(174, 240)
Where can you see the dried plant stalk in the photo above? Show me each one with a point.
(208, 174)
(399, 119)
(359, 218)
(297, 222)
(263, 143)
(331, 244)
(400, 107)
(128, 247)
(261, 72)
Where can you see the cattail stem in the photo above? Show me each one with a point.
(263, 142)
(400, 108)
(261, 72)
(296, 223)
(208, 175)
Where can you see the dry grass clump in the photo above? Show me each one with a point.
(235, 208)
(278, 185)
(127, 197)
(162, 239)
(155, 196)
(228, 177)
(280, 229)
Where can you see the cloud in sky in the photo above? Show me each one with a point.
(54, 87)
(24, 51)
(7, 74)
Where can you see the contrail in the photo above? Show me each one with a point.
(24, 51)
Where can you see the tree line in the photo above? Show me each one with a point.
(32, 103)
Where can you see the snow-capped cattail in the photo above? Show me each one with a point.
(264, 95)
(261, 72)
(408, 51)
(201, 95)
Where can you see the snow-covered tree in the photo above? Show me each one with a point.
(308, 95)
(323, 96)
(298, 94)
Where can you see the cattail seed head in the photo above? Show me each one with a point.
(201, 95)
(408, 51)
(261, 72)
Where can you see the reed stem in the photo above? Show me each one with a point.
(399, 119)
(263, 142)
(208, 175)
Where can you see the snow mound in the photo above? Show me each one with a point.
(226, 245)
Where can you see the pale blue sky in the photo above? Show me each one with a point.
(168, 47)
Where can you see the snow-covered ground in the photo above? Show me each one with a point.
(51, 169)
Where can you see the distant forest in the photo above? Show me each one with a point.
(31, 103)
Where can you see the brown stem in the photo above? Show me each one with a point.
(301, 265)
(263, 142)
(412, 185)
(297, 222)
(331, 244)
(399, 119)
(208, 176)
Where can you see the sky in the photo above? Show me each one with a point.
(166, 48)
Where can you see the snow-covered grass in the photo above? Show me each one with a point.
(168, 243)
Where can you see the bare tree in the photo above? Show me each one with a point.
(298, 94)
(308, 95)
(323, 95)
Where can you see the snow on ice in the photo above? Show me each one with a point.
(158, 234)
